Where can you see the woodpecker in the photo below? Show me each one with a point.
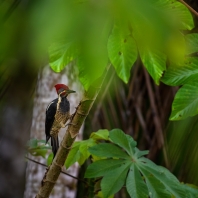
(57, 114)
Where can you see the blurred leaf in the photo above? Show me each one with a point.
(191, 43)
(181, 74)
(50, 159)
(101, 167)
(119, 138)
(102, 134)
(122, 51)
(185, 103)
(155, 63)
(60, 55)
(32, 143)
(136, 187)
(108, 150)
(112, 182)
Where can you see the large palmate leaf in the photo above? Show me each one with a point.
(185, 103)
(142, 177)
(182, 74)
(122, 51)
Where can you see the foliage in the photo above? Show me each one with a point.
(119, 162)
(121, 35)
(37, 147)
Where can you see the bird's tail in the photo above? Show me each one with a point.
(54, 144)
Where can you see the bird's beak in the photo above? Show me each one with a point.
(69, 91)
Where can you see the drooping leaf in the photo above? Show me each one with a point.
(108, 150)
(122, 51)
(102, 134)
(185, 103)
(191, 43)
(181, 74)
(113, 181)
(60, 55)
(119, 138)
(102, 167)
(135, 184)
(155, 63)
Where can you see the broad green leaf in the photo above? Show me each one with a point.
(191, 43)
(155, 63)
(102, 167)
(182, 74)
(119, 138)
(122, 51)
(113, 181)
(102, 134)
(185, 103)
(74, 155)
(60, 55)
(108, 150)
(135, 184)
(191, 189)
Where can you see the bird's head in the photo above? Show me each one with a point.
(63, 90)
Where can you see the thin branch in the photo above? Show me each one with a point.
(61, 171)
(189, 7)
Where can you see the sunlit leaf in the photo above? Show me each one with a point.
(122, 51)
(102, 134)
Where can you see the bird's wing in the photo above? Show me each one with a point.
(49, 119)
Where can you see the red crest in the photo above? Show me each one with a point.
(59, 86)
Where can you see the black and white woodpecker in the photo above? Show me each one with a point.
(57, 114)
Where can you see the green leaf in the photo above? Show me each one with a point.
(113, 181)
(185, 103)
(50, 159)
(122, 51)
(60, 55)
(74, 155)
(119, 138)
(102, 167)
(84, 146)
(108, 150)
(136, 187)
(155, 63)
(180, 15)
(191, 43)
(139, 153)
(182, 74)
(102, 134)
